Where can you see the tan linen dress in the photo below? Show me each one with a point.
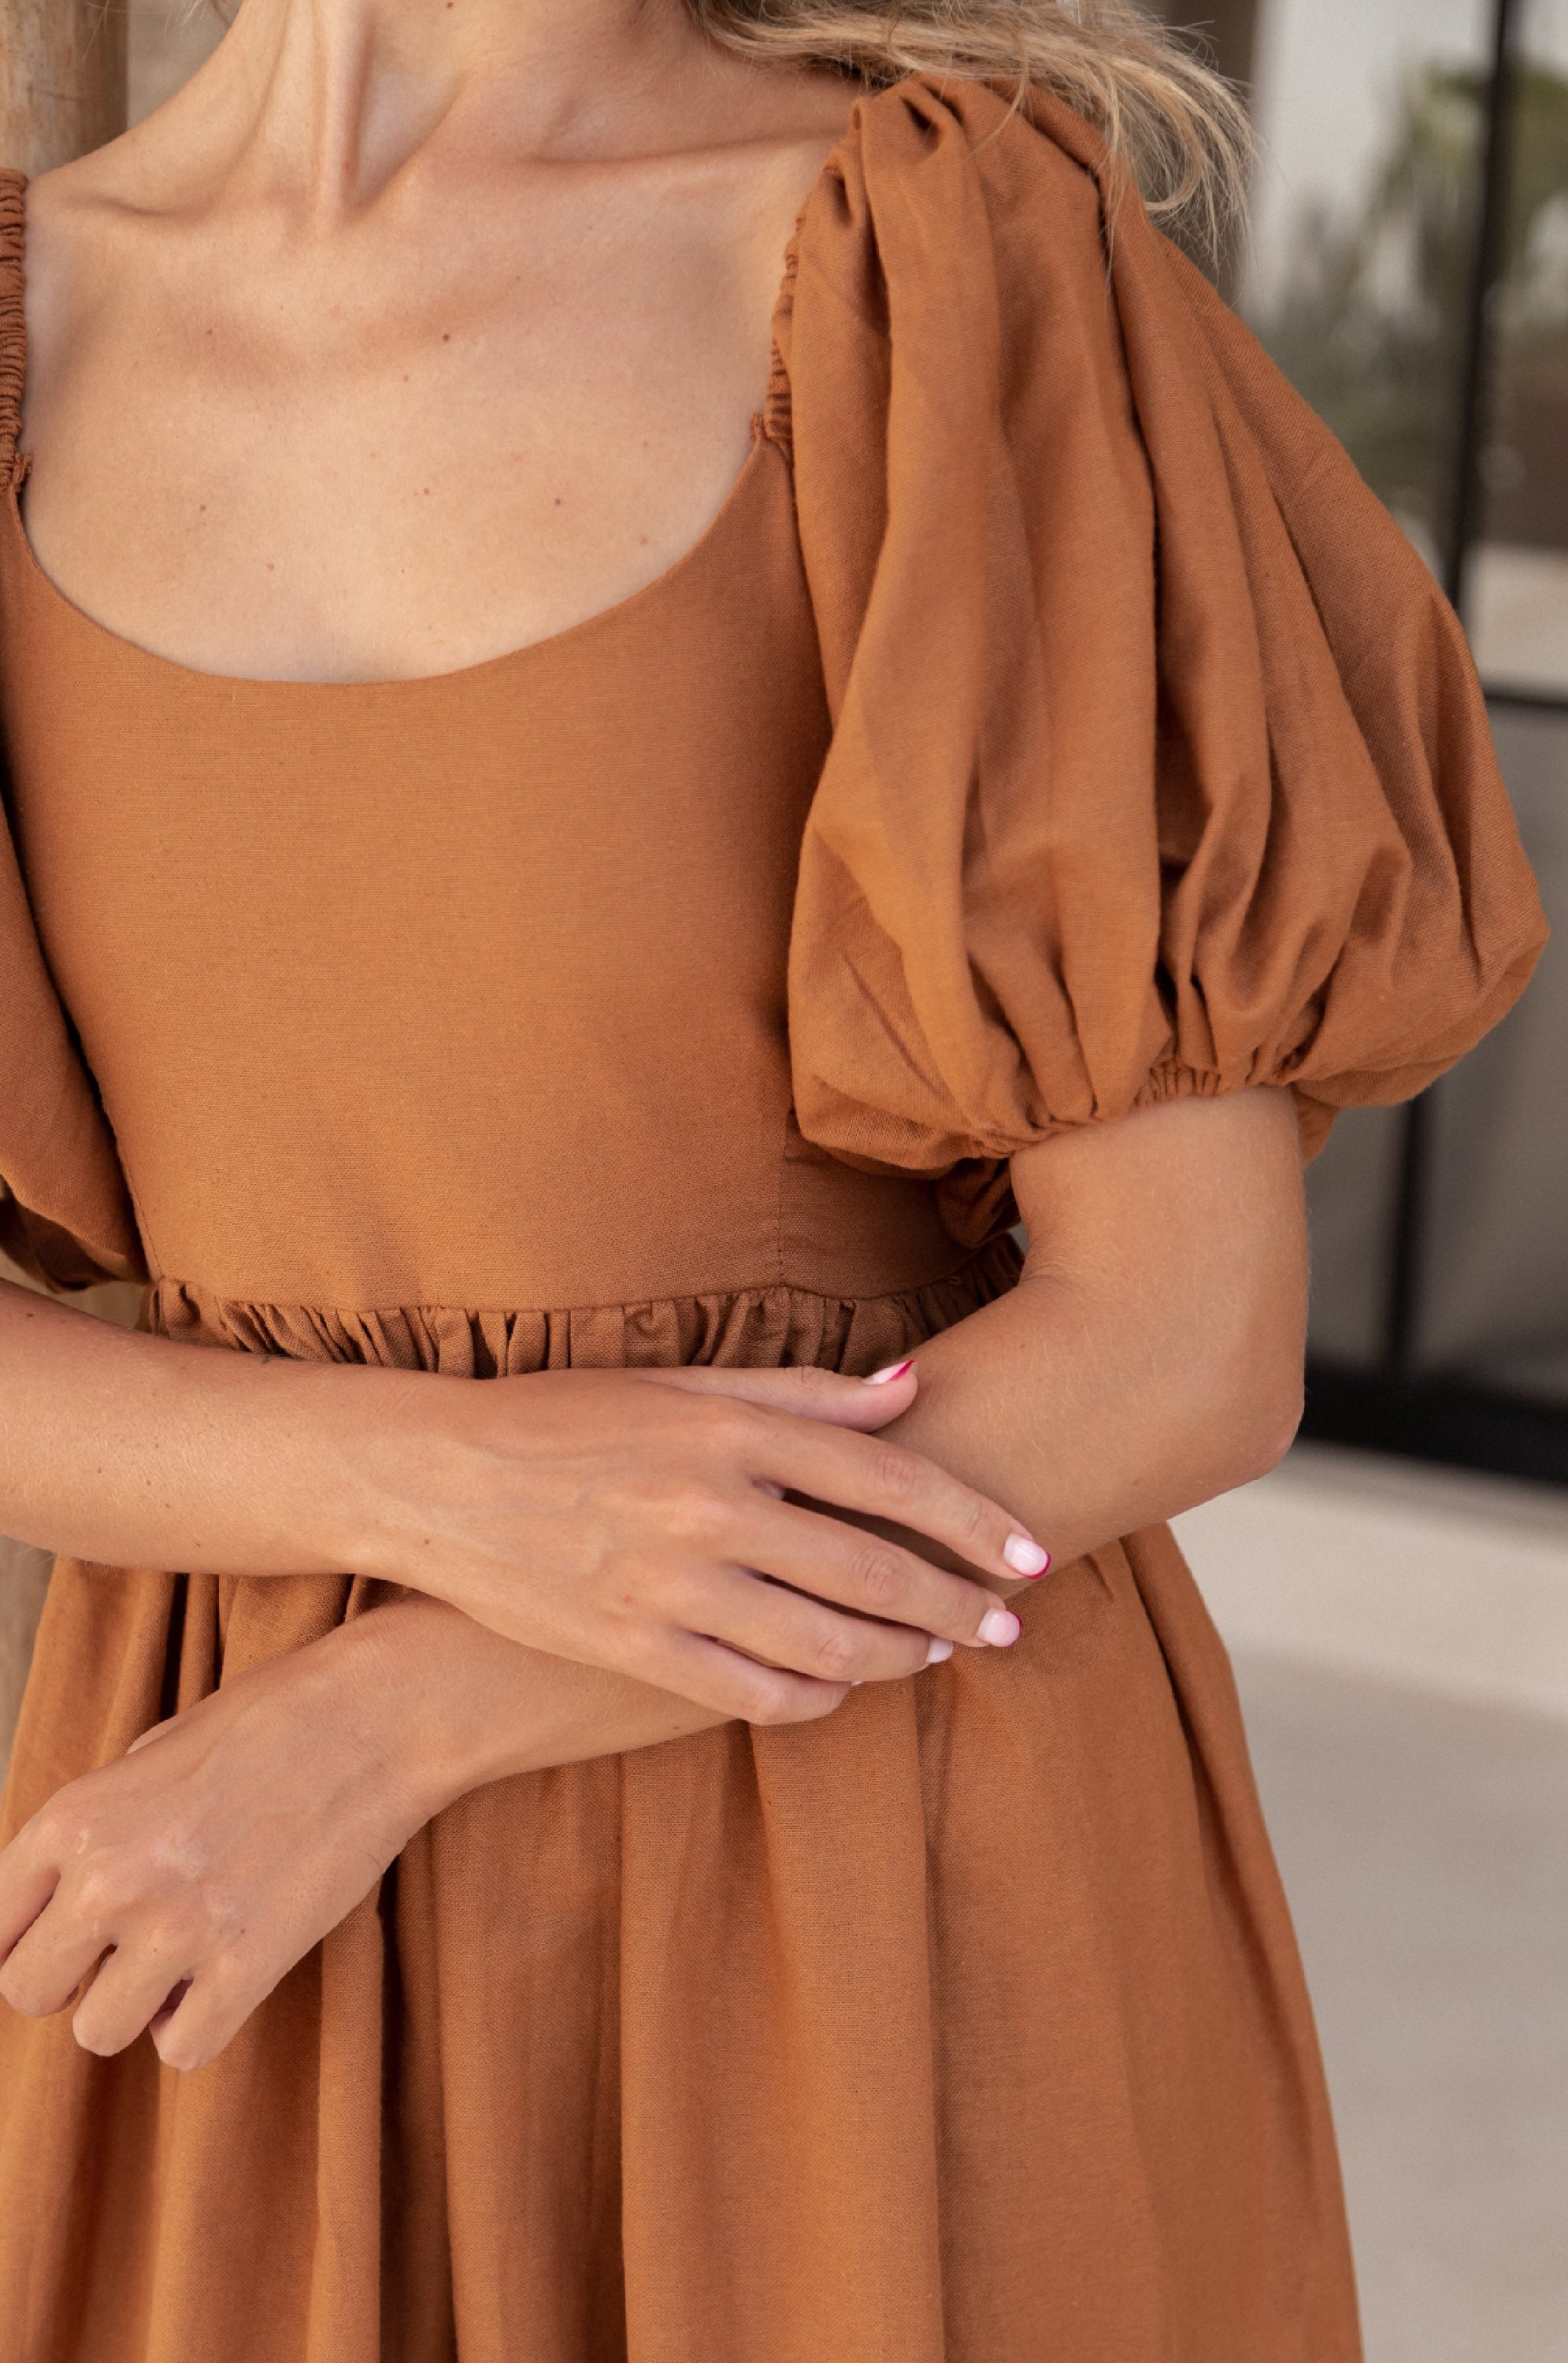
(1050, 723)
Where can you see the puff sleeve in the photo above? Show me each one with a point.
(65, 1213)
(1159, 764)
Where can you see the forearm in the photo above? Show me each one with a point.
(1106, 1392)
(136, 1452)
(451, 1706)
(1152, 1356)
(1088, 1412)
(636, 1520)
(1075, 1428)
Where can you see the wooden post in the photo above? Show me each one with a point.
(63, 90)
(62, 78)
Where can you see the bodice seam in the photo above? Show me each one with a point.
(999, 1249)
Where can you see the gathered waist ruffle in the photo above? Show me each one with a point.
(758, 1328)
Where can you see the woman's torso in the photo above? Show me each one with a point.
(466, 991)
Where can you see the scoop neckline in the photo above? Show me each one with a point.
(762, 436)
(125, 649)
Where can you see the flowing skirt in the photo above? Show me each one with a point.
(965, 2026)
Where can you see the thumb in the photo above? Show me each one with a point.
(809, 1393)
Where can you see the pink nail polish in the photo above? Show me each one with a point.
(894, 1370)
(1025, 1555)
(999, 1628)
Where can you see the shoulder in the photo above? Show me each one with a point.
(102, 238)
(87, 219)
(63, 227)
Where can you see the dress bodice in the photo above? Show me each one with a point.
(467, 990)
(1050, 724)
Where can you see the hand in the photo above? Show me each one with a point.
(632, 1520)
(640, 1521)
(194, 1872)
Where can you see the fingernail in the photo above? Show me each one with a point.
(894, 1370)
(1001, 1628)
(938, 1651)
(1025, 1557)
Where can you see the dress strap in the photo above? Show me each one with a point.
(13, 316)
(773, 415)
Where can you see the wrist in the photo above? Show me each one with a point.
(290, 1448)
(374, 1447)
(443, 1701)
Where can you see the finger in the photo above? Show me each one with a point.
(818, 1554)
(45, 1969)
(134, 1984)
(728, 1683)
(881, 1480)
(808, 1393)
(27, 1879)
(205, 2019)
(788, 1629)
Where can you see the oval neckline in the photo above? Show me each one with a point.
(127, 649)
(762, 436)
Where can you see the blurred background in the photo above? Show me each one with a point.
(1408, 265)
(1395, 1595)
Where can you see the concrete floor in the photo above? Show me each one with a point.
(1424, 1846)
(1401, 1640)
(1428, 1579)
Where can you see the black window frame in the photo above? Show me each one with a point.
(1393, 1404)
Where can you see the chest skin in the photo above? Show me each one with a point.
(488, 403)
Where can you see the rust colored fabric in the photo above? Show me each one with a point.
(1048, 723)
(1159, 764)
(63, 1209)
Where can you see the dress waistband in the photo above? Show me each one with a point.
(758, 1328)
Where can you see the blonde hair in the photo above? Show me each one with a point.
(1178, 126)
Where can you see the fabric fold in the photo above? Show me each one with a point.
(1159, 761)
(65, 1212)
(758, 1328)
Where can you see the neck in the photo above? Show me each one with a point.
(330, 100)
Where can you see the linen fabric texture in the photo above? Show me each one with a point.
(1050, 724)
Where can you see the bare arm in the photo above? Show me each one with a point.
(1151, 1357)
(629, 1519)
